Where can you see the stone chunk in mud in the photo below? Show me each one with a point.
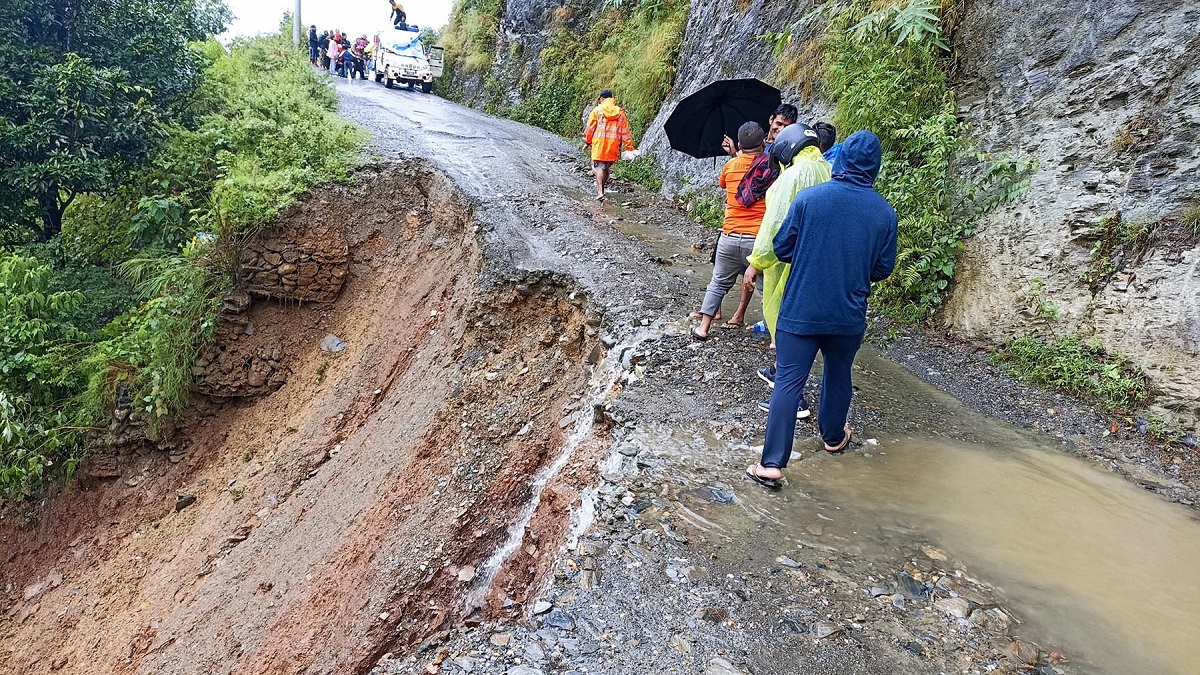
(909, 587)
(184, 500)
(713, 614)
(500, 639)
(788, 562)
(719, 666)
(824, 629)
(1024, 653)
(560, 619)
(718, 495)
(541, 607)
(958, 608)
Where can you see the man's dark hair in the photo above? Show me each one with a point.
(607, 93)
(750, 136)
(789, 111)
(826, 135)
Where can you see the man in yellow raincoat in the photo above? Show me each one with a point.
(796, 151)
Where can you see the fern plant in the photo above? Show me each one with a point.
(918, 21)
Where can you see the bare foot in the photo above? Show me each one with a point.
(766, 476)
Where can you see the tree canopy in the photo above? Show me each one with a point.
(83, 89)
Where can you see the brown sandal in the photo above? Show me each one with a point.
(840, 447)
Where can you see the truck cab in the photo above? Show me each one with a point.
(401, 58)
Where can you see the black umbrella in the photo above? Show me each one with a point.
(701, 120)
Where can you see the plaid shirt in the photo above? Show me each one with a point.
(758, 178)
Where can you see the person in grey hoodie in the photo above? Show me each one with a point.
(840, 237)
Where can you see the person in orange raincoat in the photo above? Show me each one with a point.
(606, 134)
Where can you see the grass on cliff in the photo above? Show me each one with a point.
(1078, 367)
(470, 35)
(118, 305)
(629, 46)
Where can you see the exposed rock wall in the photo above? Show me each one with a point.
(733, 51)
(306, 265)
(1058, 82)
(236, 364)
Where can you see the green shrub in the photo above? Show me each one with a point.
(150, 351)
(706, 208)
(1076, 367)
(470, 35)
(259, 131)
(38, 374)
(1118, 242)
(642, 171)
(1191, 221)
(629, 47)
(885, 65)
(272, 130)
(269, 134)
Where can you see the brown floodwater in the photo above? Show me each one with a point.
(1090, 563)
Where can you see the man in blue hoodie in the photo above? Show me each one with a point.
(840, 237)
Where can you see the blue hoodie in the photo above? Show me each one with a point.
(839, 236)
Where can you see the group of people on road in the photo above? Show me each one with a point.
(334, 51)
(805, 227)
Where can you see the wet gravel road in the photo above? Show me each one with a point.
(674, 574)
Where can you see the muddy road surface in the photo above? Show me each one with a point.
(520, 463)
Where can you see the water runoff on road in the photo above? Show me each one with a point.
(1090, 562)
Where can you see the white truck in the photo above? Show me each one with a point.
(401, 58)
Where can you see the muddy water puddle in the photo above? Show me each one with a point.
(1088, 562)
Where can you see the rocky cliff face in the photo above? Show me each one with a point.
(721, 43)
(1104, 95)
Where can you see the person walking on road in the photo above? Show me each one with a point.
(323, 47)
(607, 133)
(839, 237)
(314, 51)
(737, 233)
(796, 152)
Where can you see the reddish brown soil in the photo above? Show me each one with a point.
(334, 515)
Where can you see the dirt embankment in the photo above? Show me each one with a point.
(342, 501)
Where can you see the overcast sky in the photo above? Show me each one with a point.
(354, 16)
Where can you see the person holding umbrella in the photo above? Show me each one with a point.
(737, 233)
(607, 133)
(839, 237)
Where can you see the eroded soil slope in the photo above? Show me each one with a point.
(346, 512)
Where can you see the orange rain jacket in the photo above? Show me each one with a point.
(608, 131)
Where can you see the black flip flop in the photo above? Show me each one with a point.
(769, 483)
(698, 336)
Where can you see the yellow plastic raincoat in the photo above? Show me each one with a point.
(808, 168)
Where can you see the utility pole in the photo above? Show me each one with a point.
(297, 29)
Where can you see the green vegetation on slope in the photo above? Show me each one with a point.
(629, 46)
(885, 65)
(121, 301)
(470, 36)
(1077, 367)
